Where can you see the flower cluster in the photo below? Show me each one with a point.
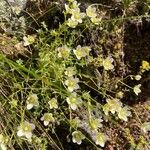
(72, 81)
(68, 81)
(72, 84)
(79, 52)
(76, 14)
(115, 106)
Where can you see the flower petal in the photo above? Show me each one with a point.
(20, 133)
(29, 106)
(46, 123)
(28, 135)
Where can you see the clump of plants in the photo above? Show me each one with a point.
(69, 91)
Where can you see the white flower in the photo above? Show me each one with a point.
(138, 77)
(32, 101)
(63, 51)
(70, 71)
(68, 9)
(91, 12)
(25, 129)
(114, 105)
(73, 101)
(81, 51)
(137, 89)
(75, 122)
(145, 127)
(75, 5)
(95, 123)
(53, 103)
(123, 113)
(47, 118)
(72, 84)
(16, 9)
(30, 39)
(2, 142)
(72, 23)
(77, 137)
(101, 139)
(107, 63)
(77, 16)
